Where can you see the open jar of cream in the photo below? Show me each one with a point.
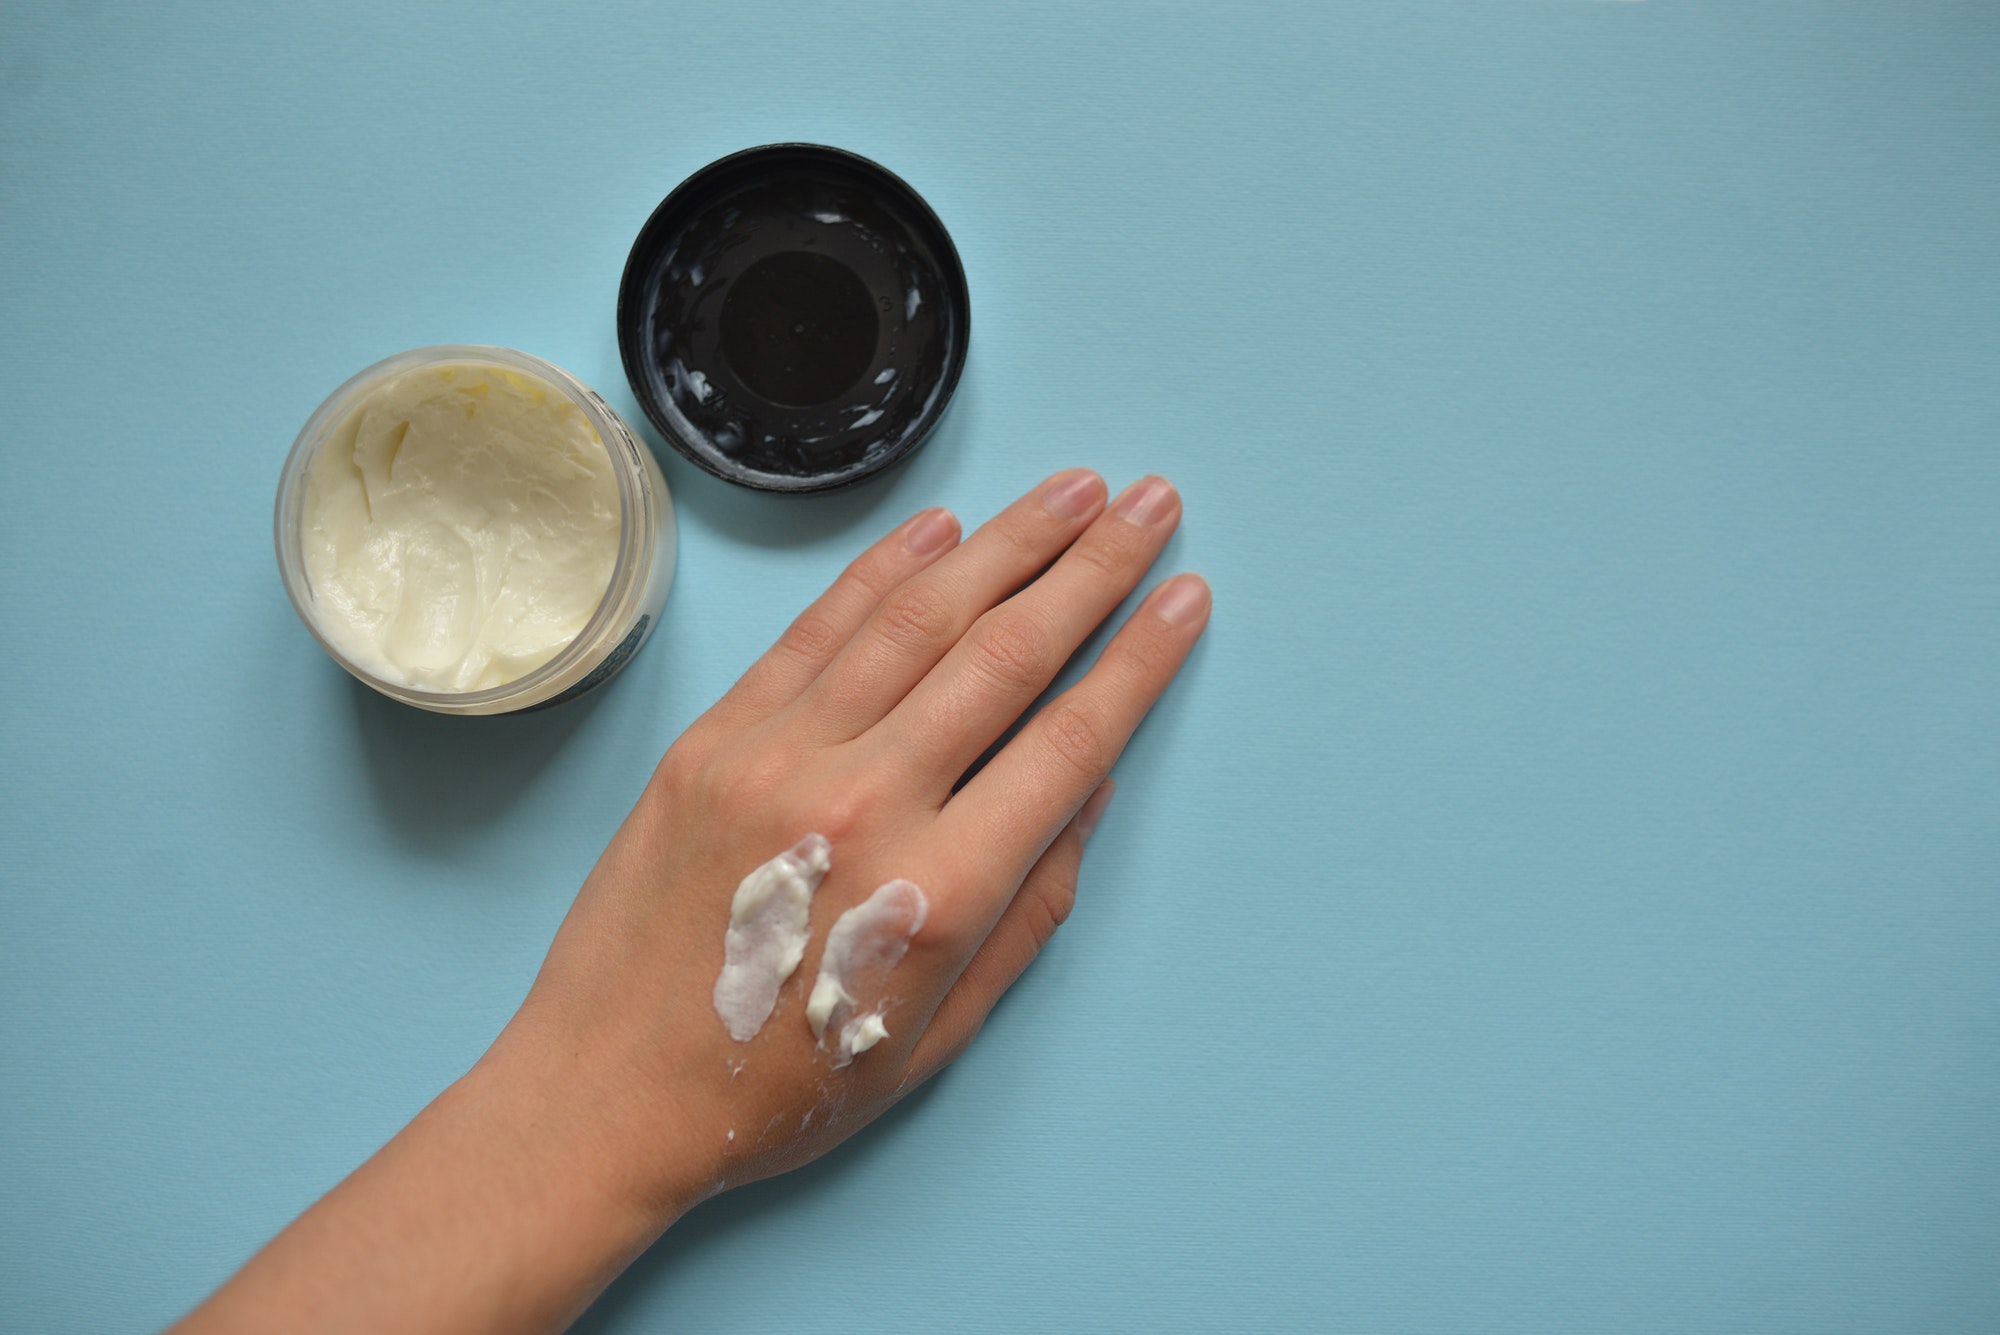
(472, 530)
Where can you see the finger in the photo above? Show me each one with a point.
(819, 632)
(1064, 752)
(923, 617)
(1030, 919)
(1013, 652)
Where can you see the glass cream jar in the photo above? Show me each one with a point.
(640, 566)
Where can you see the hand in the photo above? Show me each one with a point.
(616, 1099)
(859, 725)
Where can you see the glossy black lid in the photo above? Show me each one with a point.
(793, 318)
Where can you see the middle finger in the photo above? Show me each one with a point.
(1014, 651)
(925, 616)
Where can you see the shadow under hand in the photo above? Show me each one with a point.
(441, 778)
(708, 1227)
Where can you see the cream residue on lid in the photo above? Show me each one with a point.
(459, 528)
(767, 934)
(864, 945)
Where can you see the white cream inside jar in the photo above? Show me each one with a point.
(472, 530)
(459, 527)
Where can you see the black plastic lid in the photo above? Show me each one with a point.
(793, 318)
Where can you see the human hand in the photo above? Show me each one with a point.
(616, 1098)
(859, 725)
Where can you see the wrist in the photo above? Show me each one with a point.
(506, 1205)
(591, 1120)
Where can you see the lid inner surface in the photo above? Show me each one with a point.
(797, 324)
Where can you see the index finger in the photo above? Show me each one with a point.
(817, 634)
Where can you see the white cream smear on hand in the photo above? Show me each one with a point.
(767, 934)
(864, 945)
(460, 527)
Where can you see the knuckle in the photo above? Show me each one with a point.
(848, 810)
(1049, 911)
(811, 638)
(1103, 556)
(1026, 537)
(1012, 651)
(1062, 901)
(1077, 735)
(680, 769)
(945, 933)
(1145, 656)
(873, 576)
(917, 616)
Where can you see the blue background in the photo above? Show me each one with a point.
(1560, 894)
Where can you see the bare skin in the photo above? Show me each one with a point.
(615, 1100)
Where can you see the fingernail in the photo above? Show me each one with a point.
(1093, 809)
(929, 532)
(1146, 501)
(1073, 494)
(1182, 599)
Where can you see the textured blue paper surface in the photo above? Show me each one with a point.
(1561, 895)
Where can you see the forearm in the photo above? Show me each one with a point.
(505, 1206)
